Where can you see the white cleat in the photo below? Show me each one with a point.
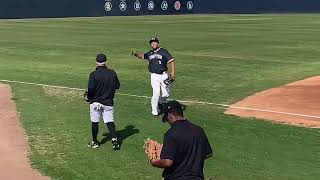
(155, 113)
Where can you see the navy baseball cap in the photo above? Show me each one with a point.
(154, 39)
(101, 58)
(168, 106)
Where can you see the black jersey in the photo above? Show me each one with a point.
(158, 60)
(102, 85)
(187, 145)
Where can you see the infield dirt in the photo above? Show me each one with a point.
(299, 101)
(14, 163)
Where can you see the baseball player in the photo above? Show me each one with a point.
(183, 154)
(102, 85)
(158, 59)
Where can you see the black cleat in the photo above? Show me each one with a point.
(115, 144)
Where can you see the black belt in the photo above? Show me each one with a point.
(160, 73)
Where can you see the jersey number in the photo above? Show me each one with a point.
(159, 62)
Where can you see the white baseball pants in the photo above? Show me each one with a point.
(160, 91)
(98, 111)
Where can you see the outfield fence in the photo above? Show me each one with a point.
(87, 8)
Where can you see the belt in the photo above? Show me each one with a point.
(163, 73)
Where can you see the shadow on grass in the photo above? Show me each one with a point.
(121, 134)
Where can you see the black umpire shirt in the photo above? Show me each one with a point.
(158, 60)
(187, 145)
(103, 83)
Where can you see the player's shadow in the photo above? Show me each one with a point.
(121, 134)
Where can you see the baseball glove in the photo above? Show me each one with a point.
(152, 149)
(168, 81)
(85, 96)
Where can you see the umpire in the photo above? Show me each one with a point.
(102, 85)
(185, 147)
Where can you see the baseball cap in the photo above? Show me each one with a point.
(168, 106)
(101, 58)
(154, 39)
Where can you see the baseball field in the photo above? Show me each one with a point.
(220, 59)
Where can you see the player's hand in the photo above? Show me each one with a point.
(133, 52)
(85, 96)
(173, 76)
(152, 161)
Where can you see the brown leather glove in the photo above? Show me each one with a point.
(152, 149)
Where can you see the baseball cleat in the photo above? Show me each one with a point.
(155, 113)
(115, 144)
(93, 145)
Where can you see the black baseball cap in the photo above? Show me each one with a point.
(168, 106)
(101, 58)
(154, 39)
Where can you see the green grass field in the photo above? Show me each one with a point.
(220, 58)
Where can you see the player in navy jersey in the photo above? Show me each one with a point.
(158, 59)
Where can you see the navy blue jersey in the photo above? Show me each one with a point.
(158, 60)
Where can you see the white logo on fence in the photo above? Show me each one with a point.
(123, 5)
(137, 5)
(190, 5)
(164, 5)
(151, 5)
(108, 6)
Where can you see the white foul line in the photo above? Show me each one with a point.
(63, 87)
(183, 101)
(270, 111)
